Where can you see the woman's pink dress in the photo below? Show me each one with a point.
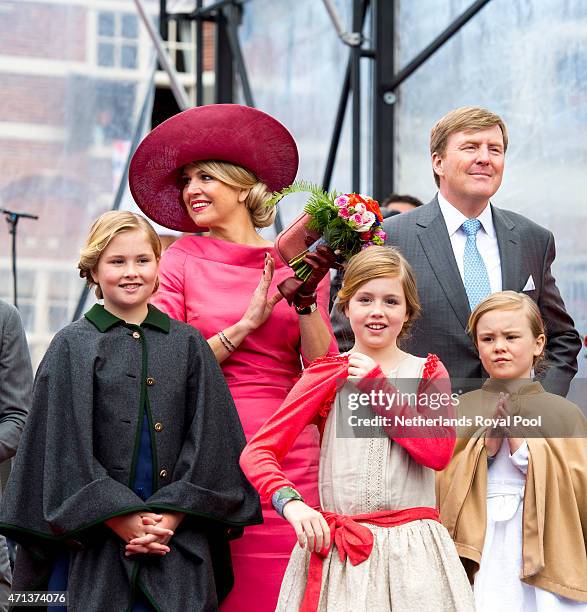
(209, 284)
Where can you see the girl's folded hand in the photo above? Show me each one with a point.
(310, 526)
(158, 531)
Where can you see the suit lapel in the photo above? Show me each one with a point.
(509, 251)
(435, 242)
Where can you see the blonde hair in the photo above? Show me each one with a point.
(241, 178)
(509, 300)
(103, 230)
(464, 119)
(377, 262)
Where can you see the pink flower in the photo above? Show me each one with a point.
(366, 221)
(344, 213)
(357, 220)
(369, 217)
(342, 201)
(360, 208)
(379, 232)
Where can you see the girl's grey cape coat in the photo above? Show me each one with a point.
(76, 459)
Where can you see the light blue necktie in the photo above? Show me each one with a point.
(476, 278)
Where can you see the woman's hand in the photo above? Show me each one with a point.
(157, 535)
(258, 310)
(360, 365)
(494, 435)
(260, 306)
(310, 526)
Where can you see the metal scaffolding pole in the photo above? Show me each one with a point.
(199, 57)
(383, 33)
(176, 87)
(356, 109)
(223, 66)
(353, 39)
(341, 111)
(230, 12)
(390, 87)
(229, 59)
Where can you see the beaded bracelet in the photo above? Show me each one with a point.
(283, 496)
(224, 342)
(225, 338)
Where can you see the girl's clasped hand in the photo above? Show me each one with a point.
(494, 436)
(360, 365)
(142, 532)
(146, 532)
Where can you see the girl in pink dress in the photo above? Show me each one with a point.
(225, 284)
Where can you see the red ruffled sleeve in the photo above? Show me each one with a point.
(310, 397)
(435, 444)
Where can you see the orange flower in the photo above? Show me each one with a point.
(373, 206)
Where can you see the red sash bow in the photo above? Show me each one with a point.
(354, 541)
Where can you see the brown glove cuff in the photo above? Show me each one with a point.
(302, 300)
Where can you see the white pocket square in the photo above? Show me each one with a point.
(529, 286)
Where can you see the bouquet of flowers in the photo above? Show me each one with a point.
(347, 223)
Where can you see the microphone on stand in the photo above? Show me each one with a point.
(12, 218)
(18, 214)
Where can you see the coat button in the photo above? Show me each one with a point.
(163, 473)
(136, 335)
(150, 381)
(158, 427)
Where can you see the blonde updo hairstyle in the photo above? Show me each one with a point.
(510, 300)
(378, 262)
(241, 178)
(103, 231)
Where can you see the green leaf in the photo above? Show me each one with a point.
(296, 187)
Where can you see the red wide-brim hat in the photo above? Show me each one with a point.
(222, 132)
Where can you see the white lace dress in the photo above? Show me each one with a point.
(412, 567)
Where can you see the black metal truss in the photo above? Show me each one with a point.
(230, 63)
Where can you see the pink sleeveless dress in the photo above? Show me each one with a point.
(208, 283)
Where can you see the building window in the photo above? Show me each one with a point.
(118, 38)
(181, 44)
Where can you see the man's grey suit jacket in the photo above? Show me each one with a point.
(525, 249)
(16, 381)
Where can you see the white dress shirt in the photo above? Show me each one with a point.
(486, 240)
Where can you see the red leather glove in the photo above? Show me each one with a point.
(303, 293)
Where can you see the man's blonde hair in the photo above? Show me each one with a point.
(464, 119)
(103, 231)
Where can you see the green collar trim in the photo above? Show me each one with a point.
(157, 319)
(104, 320)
